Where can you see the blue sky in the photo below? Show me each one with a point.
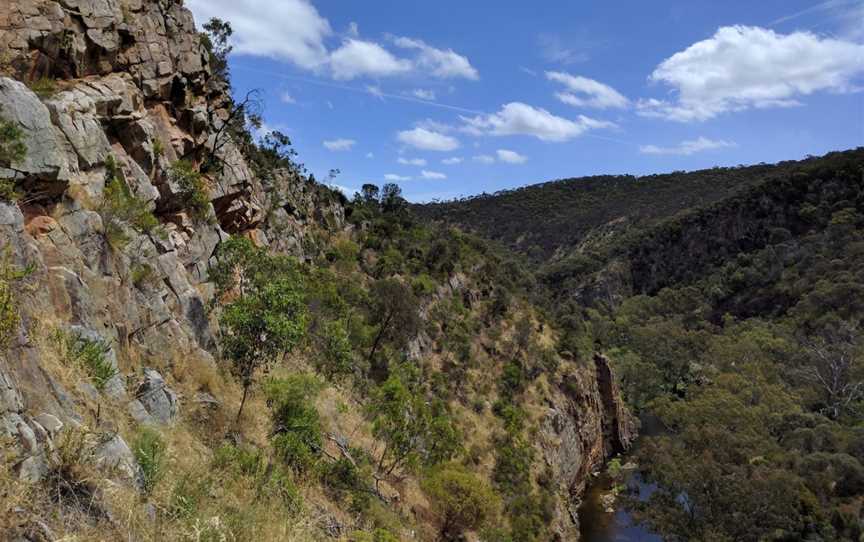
(455, 98)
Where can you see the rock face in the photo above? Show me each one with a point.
(585, 424)
(125, 90)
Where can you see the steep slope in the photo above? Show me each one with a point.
(135, 205)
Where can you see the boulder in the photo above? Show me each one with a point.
(114, 454)
(158, 401)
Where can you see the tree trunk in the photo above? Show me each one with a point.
(242, 404)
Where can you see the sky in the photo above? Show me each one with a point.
(456, 98)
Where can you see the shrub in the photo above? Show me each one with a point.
(121, 207)
(88, 354)
(193, 189)
(142, 274)
(44, 87)
(461, 500)
(9, 276)
(149, 450)
(337, 351)
(296, 423)
(12, 150)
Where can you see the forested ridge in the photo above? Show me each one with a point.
(738, 322)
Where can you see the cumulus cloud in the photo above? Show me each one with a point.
(438, 62)
(584, 92)
(290, 30)
(424, 94)
(339, 144)
(412, 161)
(428, 140)
(511, 157)
(392, 177)
(686, 148)
(744, 67)
(452, 161)
(517, 118)
(484, 159)
(357, 58)
(433, 175)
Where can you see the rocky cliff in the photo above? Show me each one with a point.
(121, 91)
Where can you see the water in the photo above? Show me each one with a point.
(597, 525)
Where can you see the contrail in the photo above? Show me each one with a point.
(349, 88)
(830, 4)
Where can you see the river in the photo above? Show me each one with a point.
(598, 525)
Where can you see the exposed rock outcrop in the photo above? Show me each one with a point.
(125, 90)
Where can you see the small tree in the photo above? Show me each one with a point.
(266, 317)
(412, 430)
(394, 311)
(461, 500)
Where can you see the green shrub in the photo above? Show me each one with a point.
(461, 500)
(142, 274)
(149, 450)
(44, 87)
(9, 317)
(12, 150)
(88, 354)
(186, 496)
(120, 207)
(337, 353)
(193, 189)
(296, 423)
(423, 285)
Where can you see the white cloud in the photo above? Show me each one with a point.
(428, 140)
(395, 178)
(743, 67)
(686, 148)
(370, 155)
(432, 175)
(424, 94)
(517, 118)
(511, 157)
(286, 98)
(353, 30)
(339, 144)
(290, 30)
(356, 58)
(438, 62)
(584, 92)
(412, 162)
(452, 161)
(484, 159)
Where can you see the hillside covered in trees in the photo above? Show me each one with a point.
(737, 322)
